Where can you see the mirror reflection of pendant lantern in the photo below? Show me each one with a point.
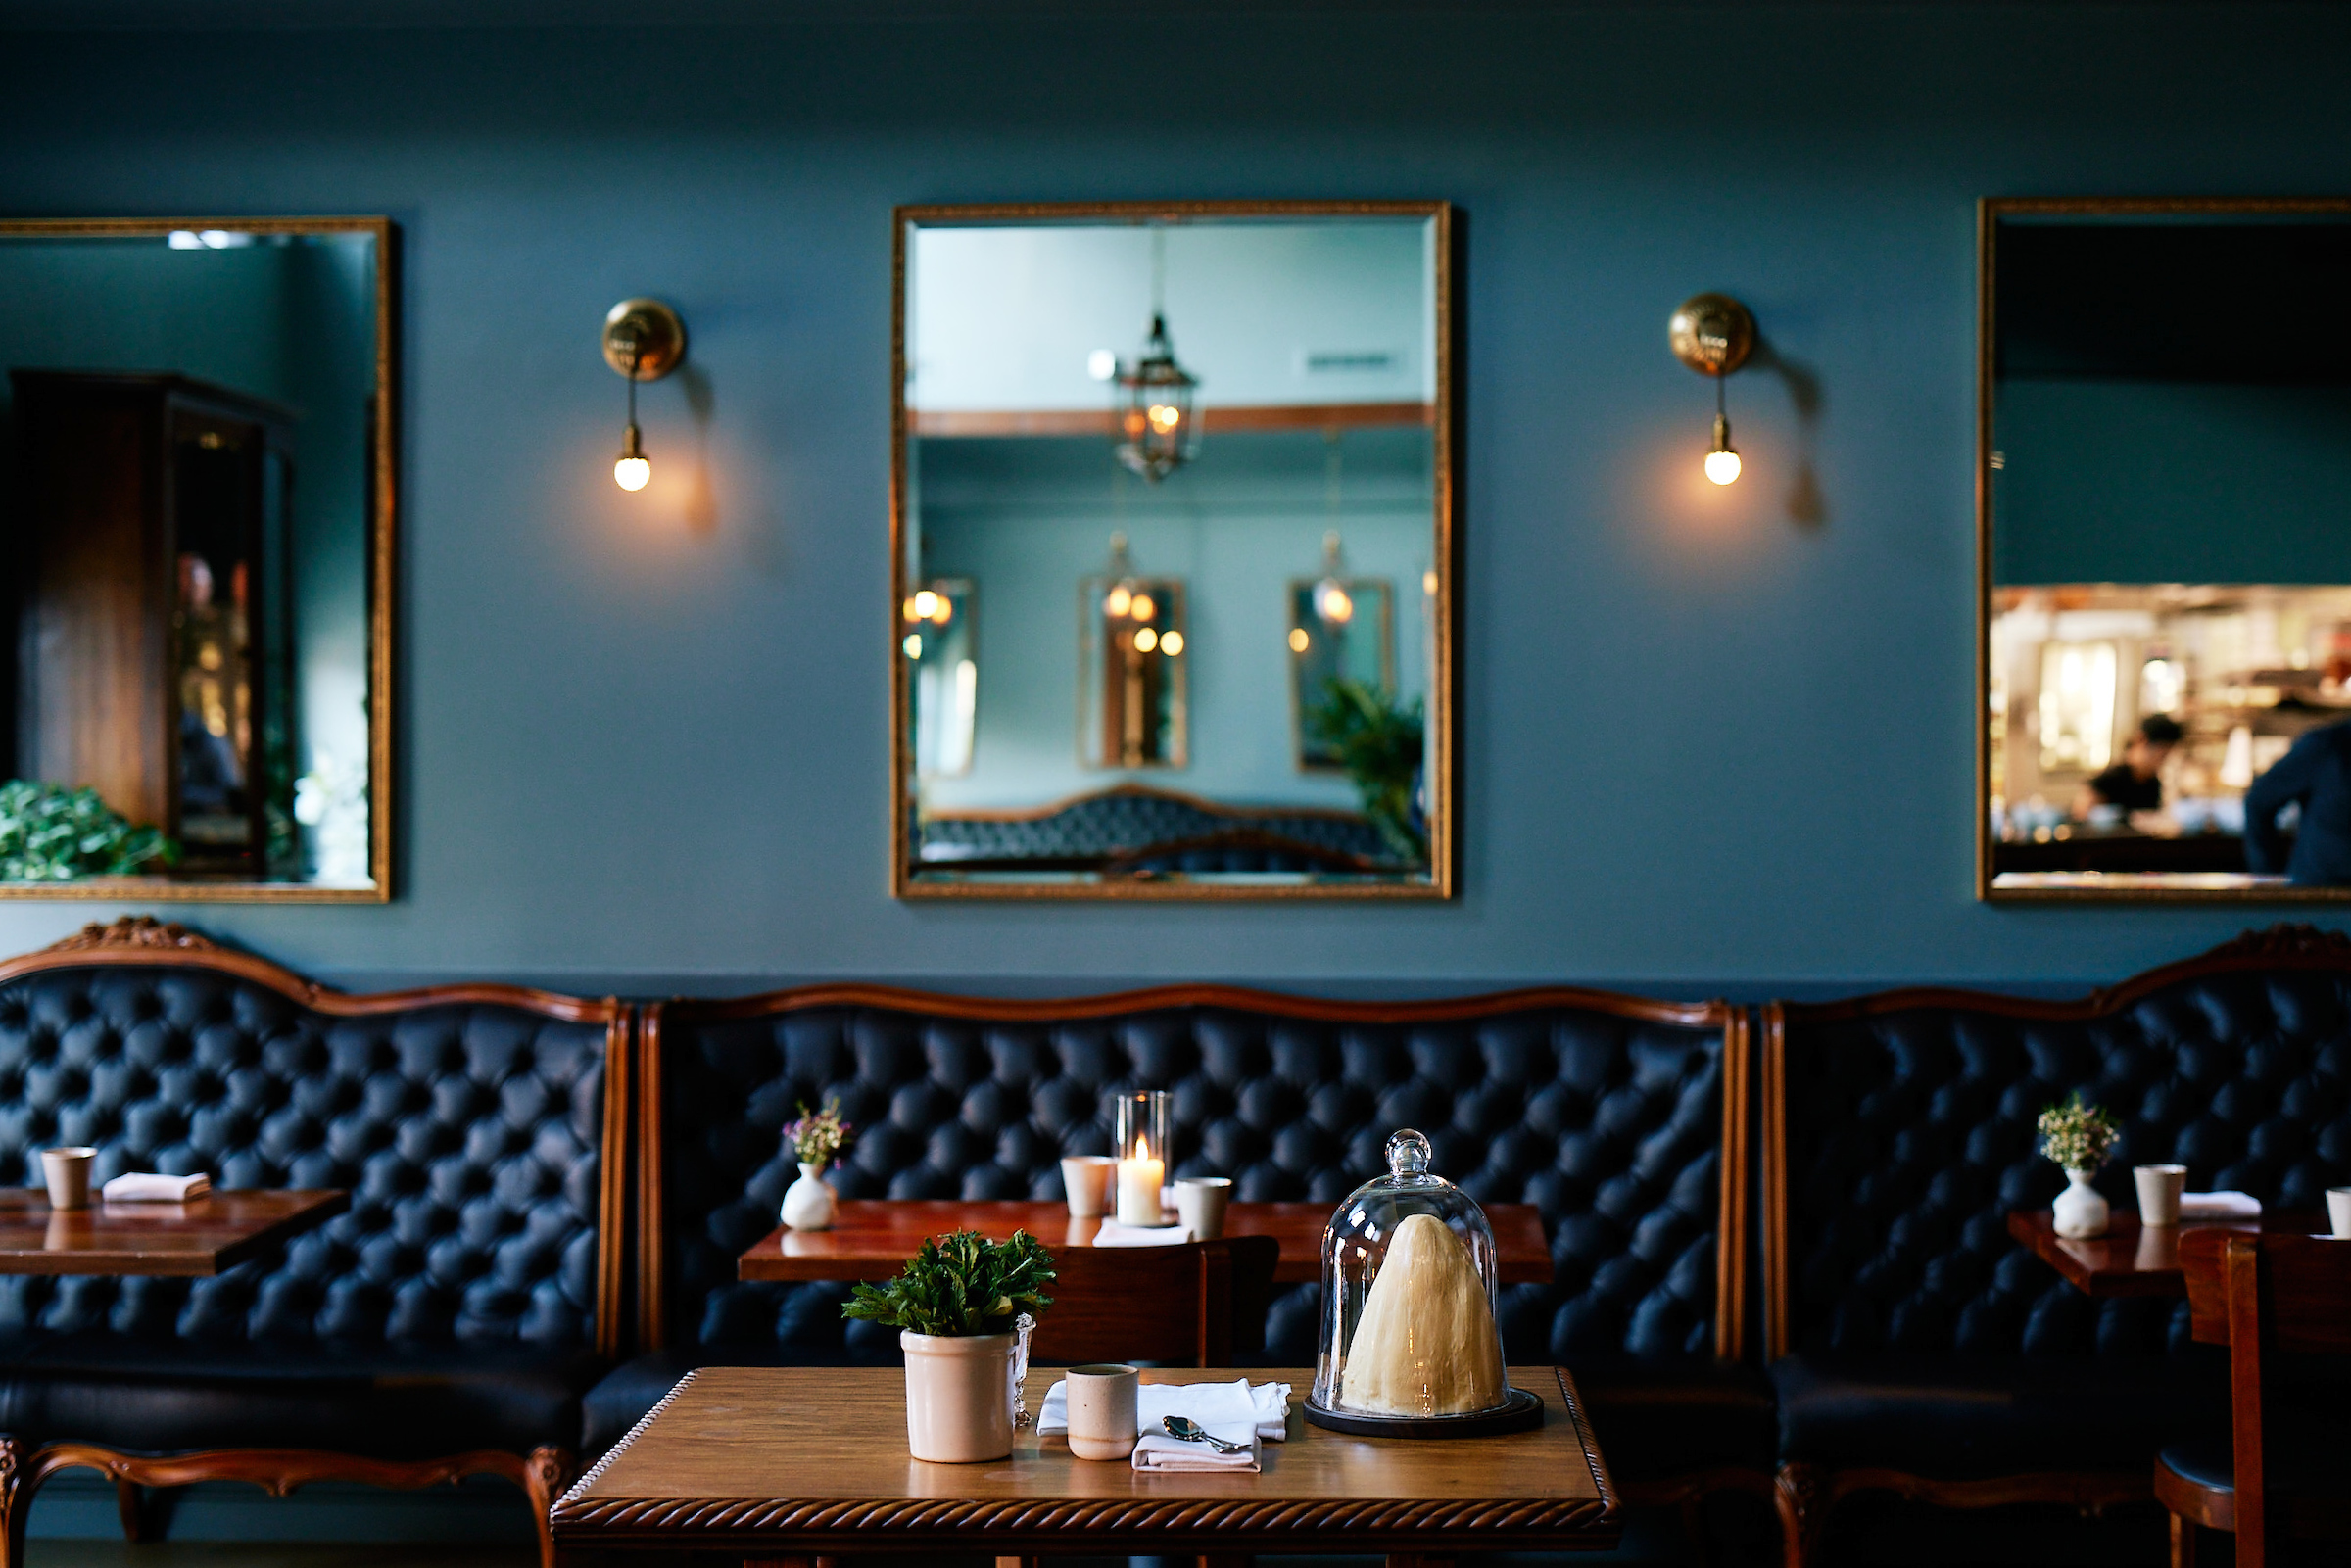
(644, 341)
(1713, 334)
(1333, 605)
(1158, 431)
(1140, 684)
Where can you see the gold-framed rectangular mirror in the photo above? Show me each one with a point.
(2164, 574)
(196, 535)
(1133, 435)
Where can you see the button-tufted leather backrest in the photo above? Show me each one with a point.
(1606, 1112)
(1908, 1136)
(468, 1124)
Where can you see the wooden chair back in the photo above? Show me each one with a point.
(2263, 1295)
(1191, 1304)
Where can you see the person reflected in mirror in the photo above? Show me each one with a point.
(2315, 775)
(2131, 790)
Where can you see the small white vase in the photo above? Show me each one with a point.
(2081, 1210)
(808, 1202)
(958, 1396)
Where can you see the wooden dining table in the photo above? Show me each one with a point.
(775, 1465)
(2136, 1260)
(203, 1236)
(873, 1237)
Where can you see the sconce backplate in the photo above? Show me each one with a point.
(653, 330)
(1712, 334)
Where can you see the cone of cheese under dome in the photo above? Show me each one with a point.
(1409, 1344)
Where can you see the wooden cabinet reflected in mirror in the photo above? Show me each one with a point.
(2166, 580)
(196, 525)
(1167, 415)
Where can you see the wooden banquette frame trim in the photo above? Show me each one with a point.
(2292, 947)
(1729, 1274)
(136, 941)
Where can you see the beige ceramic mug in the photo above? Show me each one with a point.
(68, 1173)
(1086, 1179)
(1200, 1202)
(1102, 1411)
(2159, 1189)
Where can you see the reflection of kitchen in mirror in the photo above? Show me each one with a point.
(192, 521)
(1217, 436)
(2169, 584)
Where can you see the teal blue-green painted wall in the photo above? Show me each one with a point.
(1710, 738)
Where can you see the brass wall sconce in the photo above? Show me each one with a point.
(1713, 334)
(644, 341)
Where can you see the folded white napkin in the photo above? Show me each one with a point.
(1156, 1452)
(2218, 1205)
(1229, 1409)
(143, 1187)
(1114, 1234)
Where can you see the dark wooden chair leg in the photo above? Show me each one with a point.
(544, 1475)
(1802, 1494)
(2183, 1541)
(16, 1500)
(130, 1505)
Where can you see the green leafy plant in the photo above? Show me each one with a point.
(819, 1136)
(50, 834)
(1380, 742)
(2077, 1134)
(960, 1285)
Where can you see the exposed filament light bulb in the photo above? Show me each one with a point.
(631, 470)
(1722, 463)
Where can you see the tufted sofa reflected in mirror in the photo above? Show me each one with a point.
(448, 1322)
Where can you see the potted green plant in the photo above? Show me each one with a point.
(2076, 1135)
(817, 1139)
(954, 1306)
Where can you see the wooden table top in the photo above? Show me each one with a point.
(873, 1237)
(216, 1231)
(814, 1460)
(2135, 1260)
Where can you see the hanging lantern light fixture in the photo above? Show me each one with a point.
(1159, 433)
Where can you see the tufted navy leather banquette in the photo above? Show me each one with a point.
(464, 1302)
(1912, 1337)
(1606, 1112)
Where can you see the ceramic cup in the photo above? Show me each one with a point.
(1102, 1423)
(1200, 1204)
(68, 1172)
(2159, 1189)
(2339, 1211)
(1086, 1179)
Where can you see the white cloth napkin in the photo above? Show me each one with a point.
(1236, 1411)
(2218, 1205)
(142, 1187)
(1114, 1234)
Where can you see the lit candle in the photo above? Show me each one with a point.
(1138, 1186)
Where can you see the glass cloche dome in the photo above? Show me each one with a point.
(1410, 1347)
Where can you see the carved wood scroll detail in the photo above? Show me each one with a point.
(142, 932)
(1109, 1516)
(2286, 940)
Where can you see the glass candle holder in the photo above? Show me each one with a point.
(1139, 1138)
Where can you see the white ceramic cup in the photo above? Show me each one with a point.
(68, 1173)
(1200, 1204)
(1102, 1420)
(958, 1396)
(2339, 1211)
(2159, 1188)
(1086, 1179)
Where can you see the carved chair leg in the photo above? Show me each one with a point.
(544, 1475)
(16, 1500)
(130, 1505)
(1801, 1493)
(2183, 1541)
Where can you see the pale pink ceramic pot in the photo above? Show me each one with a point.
(958, 1396)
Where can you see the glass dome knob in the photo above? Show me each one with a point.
(1408, 1154)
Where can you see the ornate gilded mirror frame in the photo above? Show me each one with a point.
(1443, 721)
(1990, 211)
(382, 427)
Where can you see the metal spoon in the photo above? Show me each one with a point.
(1187, 1430)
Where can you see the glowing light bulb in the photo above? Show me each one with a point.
(1146, 641)
(1118, 602)
(1171, 645)
(913, 644)
(632, 472)
(925, 605)
(907, 610)
(1722, 466)
(1143, 608)
(1333, 604)
(1298, 639)
(1166, 416)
